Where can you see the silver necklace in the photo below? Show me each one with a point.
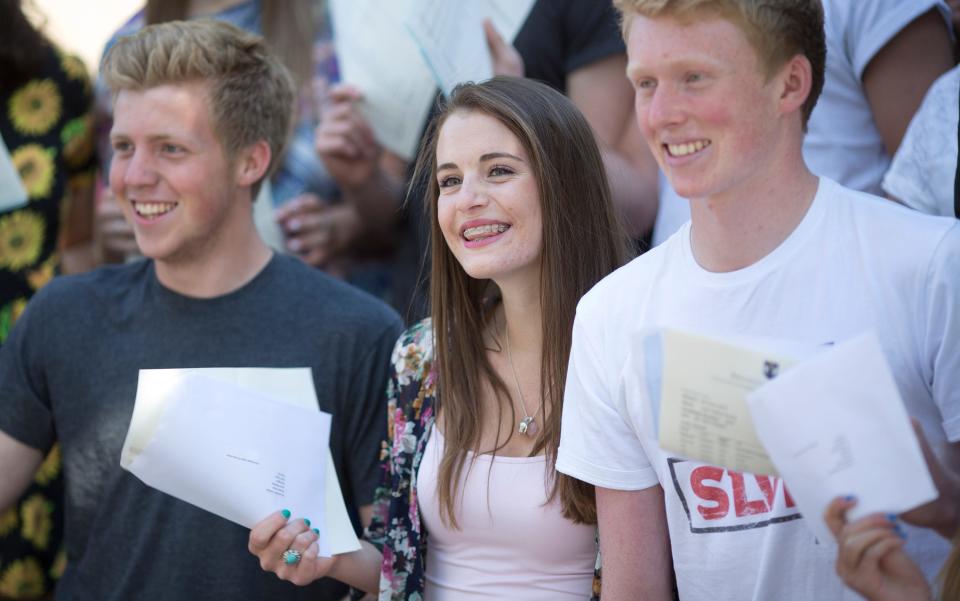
(527, 425)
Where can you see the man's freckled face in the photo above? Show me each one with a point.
(703, 102)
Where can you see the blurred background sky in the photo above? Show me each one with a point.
(81, 27)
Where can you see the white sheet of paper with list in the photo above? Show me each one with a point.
(376, 54)
(701, 406)
(12, 193)
(835, 425)
(213, 437)
(450, 35)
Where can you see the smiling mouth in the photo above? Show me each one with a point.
(484, 231)
(153, 210)
(686, 149)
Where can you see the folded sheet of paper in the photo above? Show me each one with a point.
(240, 443)
(376, 54)
(12, 193)
(835, 425)
(450, 35)
(702, 404)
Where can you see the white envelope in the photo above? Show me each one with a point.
(376, 54)
(211, 437)
(835, 425)
(449, 34)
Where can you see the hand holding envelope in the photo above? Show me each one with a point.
(241, 443)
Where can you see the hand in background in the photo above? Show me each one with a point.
(317, 231)
(345, 141)
(506, 59)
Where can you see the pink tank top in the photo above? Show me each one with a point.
(510, 544)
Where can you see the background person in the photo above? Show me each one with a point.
(46, 127)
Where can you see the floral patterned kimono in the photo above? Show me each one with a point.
(396, 527)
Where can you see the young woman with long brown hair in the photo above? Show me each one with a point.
(521, 225)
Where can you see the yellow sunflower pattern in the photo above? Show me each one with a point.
(21, 239)
(36, 520)
(35, 107)
(9, 314)
(41, 276)
(77, 138)
(59, 565)
(22, 578)
(49, 468)
(36, 168)
(9, 521)
(74, 68)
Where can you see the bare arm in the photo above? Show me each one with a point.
(900, 74)
(604, 96)
(18, 463)
(634, 545)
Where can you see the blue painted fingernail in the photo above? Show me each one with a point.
(306, 521)
(315, 531)
(892, 518)
(286, 514)
(849, 498)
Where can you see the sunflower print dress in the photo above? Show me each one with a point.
(46, 126)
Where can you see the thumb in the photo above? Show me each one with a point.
(505, 58)
(494, 40)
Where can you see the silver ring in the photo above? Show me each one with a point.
(291, 557)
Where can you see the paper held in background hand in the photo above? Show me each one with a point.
(240, 443)
(376, 54)
(12, 193)
(450, 36)
(701, 405)
(835, 425)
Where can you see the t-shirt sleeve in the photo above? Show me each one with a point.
(943, 330)
(592, 27)
(597, 442)
(923, 168)
(25, 412)
(365, 424)
(871, 24)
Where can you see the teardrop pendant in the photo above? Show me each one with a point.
(527, 426)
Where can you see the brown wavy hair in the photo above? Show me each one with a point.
(582, 242)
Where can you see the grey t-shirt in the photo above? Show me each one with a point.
(68, 372)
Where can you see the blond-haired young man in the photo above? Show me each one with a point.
(202, 111)
(723, 91)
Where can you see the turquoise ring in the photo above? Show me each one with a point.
(291, 556)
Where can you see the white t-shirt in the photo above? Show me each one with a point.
(855, 262)
(922, 172)
(842, 141)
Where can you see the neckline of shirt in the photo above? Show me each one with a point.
(770, 262)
